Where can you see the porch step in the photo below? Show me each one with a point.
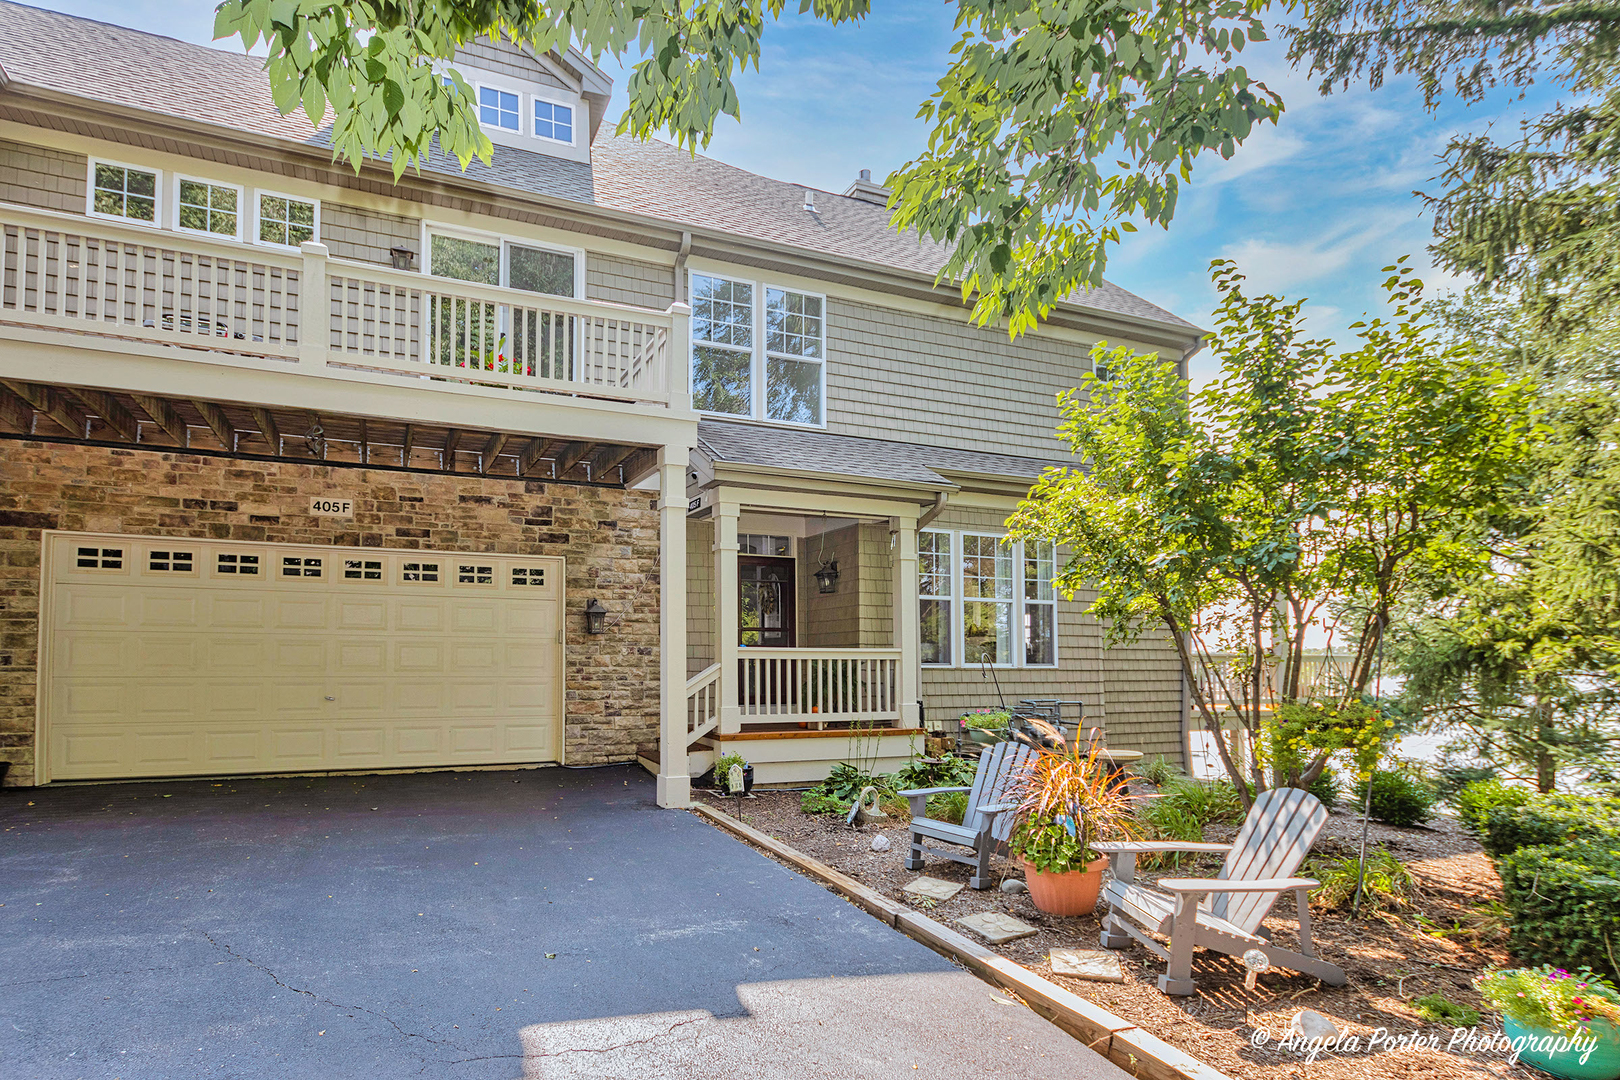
(699, 761)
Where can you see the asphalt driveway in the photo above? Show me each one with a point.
(549, 923)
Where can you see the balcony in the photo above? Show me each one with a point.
(218, 301)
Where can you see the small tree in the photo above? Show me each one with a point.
(1303, 493)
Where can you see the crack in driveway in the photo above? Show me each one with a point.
(349, 1009)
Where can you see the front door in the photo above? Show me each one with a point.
(765, 611)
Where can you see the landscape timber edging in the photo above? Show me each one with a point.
(1120, 1041)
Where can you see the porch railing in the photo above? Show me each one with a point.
(702, 703)
(819, 686)
(304, 311)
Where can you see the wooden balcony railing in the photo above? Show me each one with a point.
(312, 313)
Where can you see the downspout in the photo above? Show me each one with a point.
(680, 267)
(928, 516)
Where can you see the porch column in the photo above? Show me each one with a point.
(674, 779)
(907, 621)
(726, 599)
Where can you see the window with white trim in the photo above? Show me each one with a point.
(285, 221)
(204, 207)
(983, 596)
(498, 108)
(553, 121)
(934, 594)
(123, 191)
(489, 260)
(722, 345)
(1040, 603)
(775, 375)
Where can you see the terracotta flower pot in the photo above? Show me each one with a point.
(1071, 893)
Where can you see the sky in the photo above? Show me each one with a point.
(1314, 207)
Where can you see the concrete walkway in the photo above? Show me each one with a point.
(547, 923)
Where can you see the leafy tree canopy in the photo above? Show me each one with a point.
(1304, 492)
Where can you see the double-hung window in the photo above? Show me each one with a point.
(986, 598)
(935, 591)
(736, 371)
(497, 108)
(722, 345)
(553, 121)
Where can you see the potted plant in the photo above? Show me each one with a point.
(1565, 1023)
(986, 726)
(722, 774)
(1067, 799)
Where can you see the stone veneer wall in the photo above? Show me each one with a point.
(608, 536)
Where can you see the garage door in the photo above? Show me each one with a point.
(174, 657)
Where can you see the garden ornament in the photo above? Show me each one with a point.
(1257, 964)
(865, 811)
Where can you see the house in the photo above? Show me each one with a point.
(595, 451)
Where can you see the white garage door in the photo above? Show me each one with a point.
(169, 657)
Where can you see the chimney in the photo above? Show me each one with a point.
(866, 191)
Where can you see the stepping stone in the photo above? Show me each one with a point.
(1099, 965)
(933, 888)
(996, 927)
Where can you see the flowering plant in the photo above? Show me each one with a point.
(986, 719)
(1550, 998)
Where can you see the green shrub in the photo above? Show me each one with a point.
(1449, 779)
(1385, 885)
(1550, 819)
(1208, 802)
(1398, 798)
(946, 772)
(722, 771)
(1157, 771)
(1326, 788)
(813, 802)
(987, 719)
(1474, 802)
(951, 807)
(1564, 904)
(846, 781)
(1437, 1009)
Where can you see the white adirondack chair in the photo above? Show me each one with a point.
(1223, 913)
(987, 823)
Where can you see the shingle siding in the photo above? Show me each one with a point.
(507, 59)
(367, 235)
(1143, 686)
(43, 178)
(897, 374)
(618, 280)
(700, 643)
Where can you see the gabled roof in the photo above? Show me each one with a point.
(818, 452)
(228, 91)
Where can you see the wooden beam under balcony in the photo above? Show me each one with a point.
(254, 431)
(638, 466)
(161, 413)
(529, 460)
(217, 422)
(52, 403)
(111, 412)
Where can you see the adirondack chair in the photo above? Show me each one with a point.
(1223, 913)
(987, 823)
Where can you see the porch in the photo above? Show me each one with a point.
(802, 634)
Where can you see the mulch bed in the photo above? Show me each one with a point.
(1391, 958)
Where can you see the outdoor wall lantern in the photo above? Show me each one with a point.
(827, 576)
(595, 617)
(403, 257)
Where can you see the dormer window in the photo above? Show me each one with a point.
(498, 108)
(553, 121)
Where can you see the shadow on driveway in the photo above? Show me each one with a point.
(474, 924)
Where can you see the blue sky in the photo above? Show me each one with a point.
(1313, 207)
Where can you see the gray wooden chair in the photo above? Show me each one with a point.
(1222, 913)
(986, 825)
